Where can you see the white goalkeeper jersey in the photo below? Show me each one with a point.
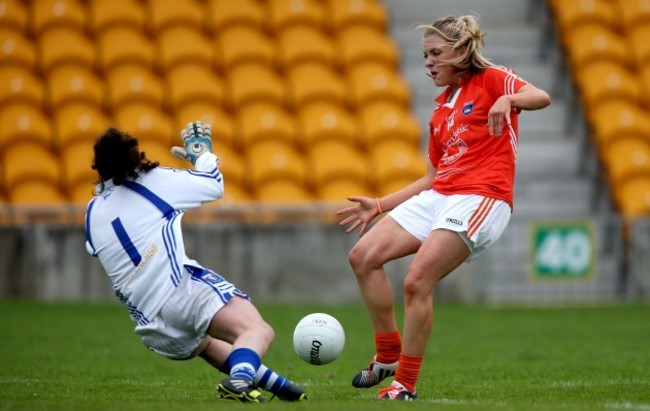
(135, 230)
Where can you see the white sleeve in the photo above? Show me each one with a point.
(187, 188)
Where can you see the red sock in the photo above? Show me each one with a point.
(408, 371)
(388, 346)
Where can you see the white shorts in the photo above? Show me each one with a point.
(182, 323)
(479, 220)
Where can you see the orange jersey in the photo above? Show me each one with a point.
(468, 160)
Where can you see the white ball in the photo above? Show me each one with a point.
(318, 338)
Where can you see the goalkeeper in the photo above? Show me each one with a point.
(182, 309)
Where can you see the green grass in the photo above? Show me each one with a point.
(67, 356)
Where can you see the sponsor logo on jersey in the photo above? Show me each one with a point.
(455, 147)
(450, 120)
(468, 107)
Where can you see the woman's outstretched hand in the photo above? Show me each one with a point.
(359, 215)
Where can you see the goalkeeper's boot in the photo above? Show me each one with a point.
(292, 392)
(374, 374)
(240, 390)
(396, 392)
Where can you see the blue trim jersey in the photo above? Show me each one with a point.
(135, 230)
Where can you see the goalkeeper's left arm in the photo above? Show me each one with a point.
(197, 140)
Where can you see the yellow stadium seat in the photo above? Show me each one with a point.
(315, 82)
(16, 48)
(258, 122)
(627, 158)
(633, 13)
(74, 84)
(21, 122)
(337, 160)
(145, 122)
(617, 118)
(164, 14)
(382, 121)
(105, 14)
(300, 44)
(231, 164)
(254, 83)
(633, 198)
(344, 13)
(223, 123)
(30, 160)
(236, 45)
(76, 161)
(20, 85)
(14, 15)
(132, 83)
(159, 150)
(81, 193)
(591, 42)
(179, 45)
(124, 45)
(324, 121)
(395, 164)
(639, 44)
(47, 14)
(604, 80)
(78, 122)
(644, 77)
(283, 191)
(374, 81)
(361, 44)
(285, 13)
(269, 161)
(37, 193)
(340, 190)
(65, 45)
(194, 83)
(570, 14)
(232, 193)
(224, 13)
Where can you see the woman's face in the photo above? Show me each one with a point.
(436, 52)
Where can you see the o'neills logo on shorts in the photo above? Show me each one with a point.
(454, 221)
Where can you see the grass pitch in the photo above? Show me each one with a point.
(84, 356)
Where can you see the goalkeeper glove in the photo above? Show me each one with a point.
(197, 139)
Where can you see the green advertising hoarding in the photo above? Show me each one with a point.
(563, 250)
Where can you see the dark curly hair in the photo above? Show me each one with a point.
(118, 157)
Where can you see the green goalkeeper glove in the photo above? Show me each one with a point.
(197, 139)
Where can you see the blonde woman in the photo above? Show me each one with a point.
(453, 213)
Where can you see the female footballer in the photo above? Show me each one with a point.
(453, 213)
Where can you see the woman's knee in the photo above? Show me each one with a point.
(267, 332)
(363, 259)
(416, 284)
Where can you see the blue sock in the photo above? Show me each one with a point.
(265, 378)
(243, 363)
(269, 380)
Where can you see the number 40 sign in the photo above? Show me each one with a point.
(563, 249)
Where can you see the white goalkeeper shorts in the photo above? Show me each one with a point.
(478, 220)
(181, 325)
